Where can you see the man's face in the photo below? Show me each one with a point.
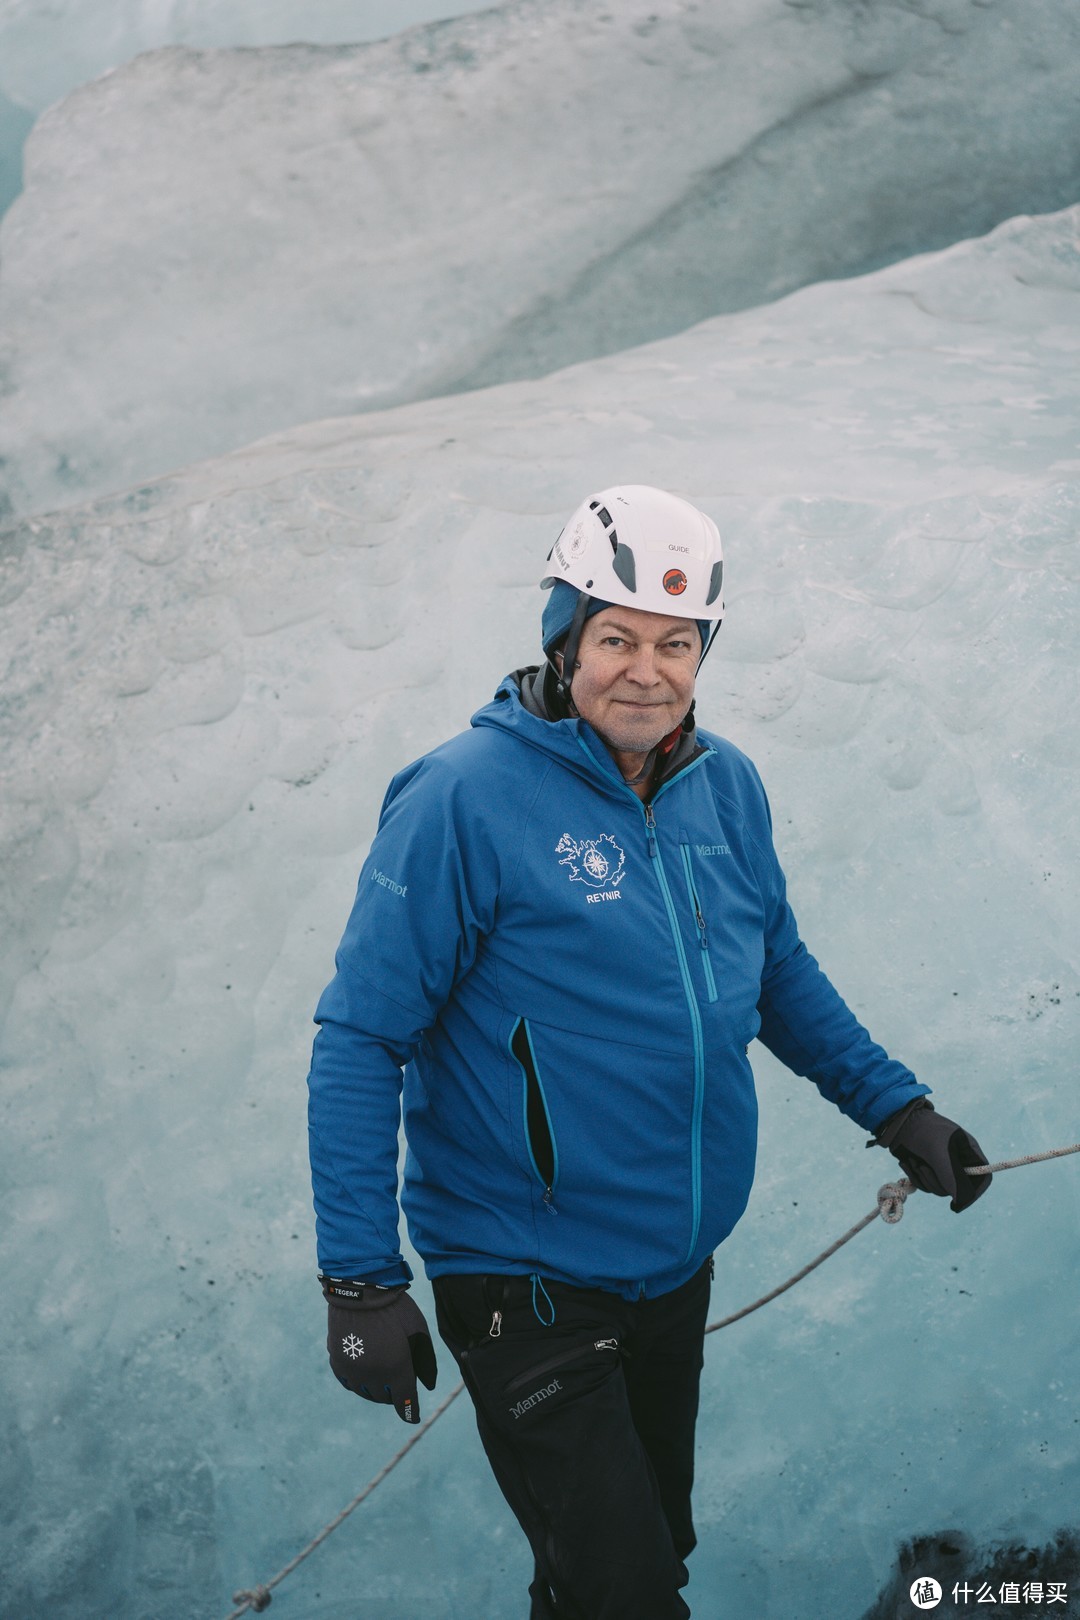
(635, 676)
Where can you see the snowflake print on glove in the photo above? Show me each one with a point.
(353, 1347)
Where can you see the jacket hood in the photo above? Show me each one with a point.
(521, 706)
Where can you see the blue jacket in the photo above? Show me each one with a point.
(570, 980)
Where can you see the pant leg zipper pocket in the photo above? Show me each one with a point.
(578, 1353)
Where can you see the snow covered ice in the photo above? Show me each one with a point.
(206, 685)
(47, 51)
(216, 245)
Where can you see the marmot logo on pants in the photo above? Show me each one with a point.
(535, 1398)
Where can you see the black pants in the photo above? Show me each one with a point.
(588, 1423)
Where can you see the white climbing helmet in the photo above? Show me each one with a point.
(642, 548)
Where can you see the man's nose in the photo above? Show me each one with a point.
(643, 667)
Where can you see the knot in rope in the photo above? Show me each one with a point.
(259, 1598)
(890, 1199)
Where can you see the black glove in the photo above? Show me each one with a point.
(933, 1152)
(379, 1344)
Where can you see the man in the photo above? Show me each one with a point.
(571, 925)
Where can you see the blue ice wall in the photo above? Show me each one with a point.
(214, 245)
(206, 685)
(47, 51)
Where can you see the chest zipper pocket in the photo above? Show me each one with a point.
(539, 1137)
(699, 917)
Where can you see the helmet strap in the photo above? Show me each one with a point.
(570, 648)
(712, 637)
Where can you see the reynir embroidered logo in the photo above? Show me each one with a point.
(597, 862)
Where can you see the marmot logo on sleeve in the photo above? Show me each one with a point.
(388, 883)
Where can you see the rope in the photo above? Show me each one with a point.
(259, 1597)
(1027, 1158)
(736, 1316)
(890, 1206)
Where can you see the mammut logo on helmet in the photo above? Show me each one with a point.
(599, 862)
(674, 582)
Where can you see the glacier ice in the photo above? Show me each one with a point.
(206, 684)
(313, 231)
(46, 51)
(15, 123)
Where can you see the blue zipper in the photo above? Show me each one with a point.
(695, 905)
(688, 983)
(548, 1186)
(695, 1015)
